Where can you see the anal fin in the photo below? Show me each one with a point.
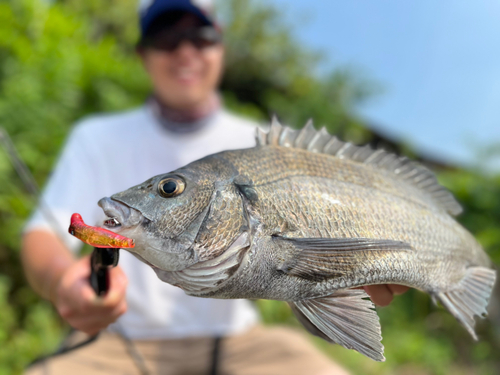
(344, 318)
(470, 297)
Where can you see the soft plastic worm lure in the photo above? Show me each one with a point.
(96, 236)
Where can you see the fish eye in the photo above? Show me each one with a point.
(171, 187)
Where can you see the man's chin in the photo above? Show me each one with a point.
(187, 97)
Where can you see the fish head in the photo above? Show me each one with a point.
(165, 214)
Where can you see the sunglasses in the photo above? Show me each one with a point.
(170, 40)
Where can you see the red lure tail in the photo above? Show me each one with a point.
(96, 236)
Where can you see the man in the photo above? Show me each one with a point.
(169, 332)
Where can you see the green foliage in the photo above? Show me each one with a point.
(112, 17)
(480, 197)
(63, 61)
(53, 71)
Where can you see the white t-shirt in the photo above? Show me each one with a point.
(110, 153)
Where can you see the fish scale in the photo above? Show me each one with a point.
(398, 214)
(285, 163)
(305, 218)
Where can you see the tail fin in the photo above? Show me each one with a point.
(470, 297)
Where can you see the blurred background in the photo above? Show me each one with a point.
(421, 79)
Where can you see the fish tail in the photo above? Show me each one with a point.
(470, 297)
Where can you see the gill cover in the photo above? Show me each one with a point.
(174, 206)
(191, 215)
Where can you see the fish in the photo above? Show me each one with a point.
(306, 218)
(97, 236)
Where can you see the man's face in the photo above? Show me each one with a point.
(187, 76)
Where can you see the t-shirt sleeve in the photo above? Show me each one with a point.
(74, 186)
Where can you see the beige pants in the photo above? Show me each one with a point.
(260, 351)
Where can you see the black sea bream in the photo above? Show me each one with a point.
(305, 218)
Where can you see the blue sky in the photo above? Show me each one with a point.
(438, 61)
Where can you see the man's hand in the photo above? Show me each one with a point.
(382, 295)
(77, 303)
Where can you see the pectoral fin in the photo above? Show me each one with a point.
(344, 318)
(320, 258)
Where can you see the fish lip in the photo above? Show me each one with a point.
(145, 216)
(119, 214)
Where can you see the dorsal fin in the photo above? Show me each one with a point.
(308, 138)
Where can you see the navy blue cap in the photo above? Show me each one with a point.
(200, 8)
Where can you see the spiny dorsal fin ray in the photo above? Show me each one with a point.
(308, 138)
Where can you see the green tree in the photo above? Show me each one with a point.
(52, 71)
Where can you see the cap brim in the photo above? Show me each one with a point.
(159, 8)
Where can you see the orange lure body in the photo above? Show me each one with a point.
(96, 236)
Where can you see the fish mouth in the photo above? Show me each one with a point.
(119, 214)
(112, 222)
